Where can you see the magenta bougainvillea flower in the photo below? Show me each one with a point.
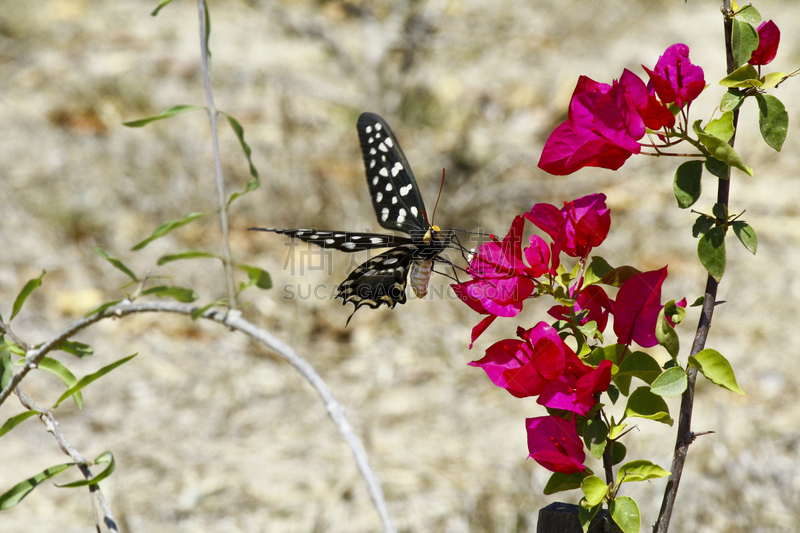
(606, 122)
(576, 228)
(636, 308)
(554, 443)
(769, 37)
(675, 78)
(592, 298)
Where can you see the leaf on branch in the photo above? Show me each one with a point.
(721, 150)
(87, 380)
(168, 112)
(188, 254)
(161, 6)
(743, 77)
(256, 276)
(625, 514)
(105, 457)
(731, 100)
(773, 120)
(716, 369)
(102, 307)
(198, 311)
(182, 295)
(595, 489)
(18, 492)
(671, 382)
(171, 225)
(640, 470)
(116, 263)
(56, 368)
(76, 348)
(687, 184)
(559, 482)
(239, 131)
(26, 291)
(744, 41)
(644, 404)
(712, 253)
(746, 235)
(16, 420)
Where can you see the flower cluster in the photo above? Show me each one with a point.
(539, 363)
(606, 122)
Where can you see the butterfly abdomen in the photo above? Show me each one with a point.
(420, 276)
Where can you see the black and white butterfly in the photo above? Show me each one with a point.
(398, 205)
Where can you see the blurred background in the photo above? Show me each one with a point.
(213, 433)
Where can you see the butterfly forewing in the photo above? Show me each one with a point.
(395, 195)
(345, 241)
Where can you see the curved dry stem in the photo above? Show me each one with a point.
(232, 320)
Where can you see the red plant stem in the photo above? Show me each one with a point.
(685, 436)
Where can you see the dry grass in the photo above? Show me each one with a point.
(211, 433)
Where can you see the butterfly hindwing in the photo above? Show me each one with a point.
(345, 241)
(380, 280)
(395, 195)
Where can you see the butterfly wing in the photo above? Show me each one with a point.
(395, 195)
(379, 281)
(345, 241)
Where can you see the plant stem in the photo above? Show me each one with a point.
(212, 117)
(685, 436)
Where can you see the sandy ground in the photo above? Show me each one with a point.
(212, 433)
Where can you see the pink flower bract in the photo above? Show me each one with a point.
(675, 78)
(769, 37)
(554, 443)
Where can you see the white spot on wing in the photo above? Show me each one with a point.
(405, 190)
(390, 261)
(389, 142)
(315, 236)
(339, 235)
(379, 197)
(388, 187)
(383, 172)
(382, 147)
(414, 211)
(330, 241)
(355, 237)
(372, 151)
(371, 163)
(385, 214)
(375, 240)
(378, 126)
(371, 140)
(394, 200)
(349, 245)
(396, 169)
(375, 180)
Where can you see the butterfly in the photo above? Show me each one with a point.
(398, 206)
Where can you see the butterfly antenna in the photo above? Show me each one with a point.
(437, 199)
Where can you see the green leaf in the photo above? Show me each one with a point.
(170, 225)
(56, 368)
(721, 127)
(687, 183)
(102, 307)
(26, 291)
(771, 80)
(559, 482)
(105, 457)
(746, 235)
(618, 450)
(731, 100)
(750, 14)
(594, 435)
(711, 251)
(773, 120)
(666, 336)
(198, 312)
(720, 211)
(674, 312)
(6, 367)
(178, 293)
(188, 254)
(587, 512)
(161, 6)
(702, 225)
(716, 369)
(168, 112)
(640, 470)
(670, 383)
(239, 131)
(595, 489)
(645, 404)
(86, 380)
(617, 276)
(76, 348)
(744, 41)
(743, 77)
(640, 365)
(116, 263)
(258, 277)
(625, 513)
(19, 491)
(717, 168)
(613, 393)
(698, 301)
(16, 420)
(721, 150)
(598, 267)
(251, 186)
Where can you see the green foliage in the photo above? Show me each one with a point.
(744, 41)
(18, 492)
(640, 470)
(744, 77)
(161, 6)
(746, 235)
(169, 226)
(671, 382)
(188, 254)
(595, 489)
(720, 149)
(76, 348)
(103, 458)
(750, 14)
(26, 291)
(102, 307)
(625, 514)
(16, 420)
(687, 184)
(198, 311)
(119, 265)
(595, 436)
(559, 482)
(239, 131)
(86, 380)
(731, 100)
(6, 368)
(773, 120)
(178, 293)
(712, 253)
(256, 276)
(56, 368)
(716, 369)
(665, 333)
(721, 127)
(166, 113)
(587, 512)
(644, 404)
